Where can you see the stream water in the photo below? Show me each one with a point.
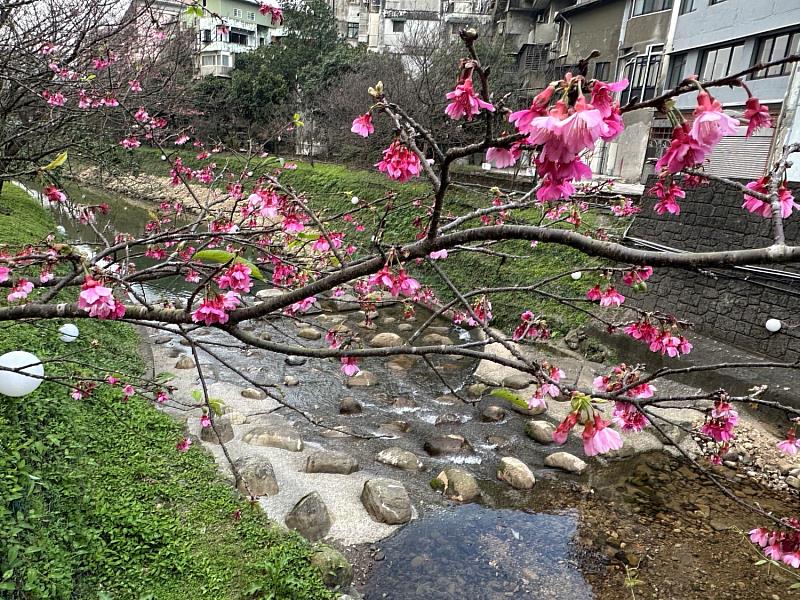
(533, 544)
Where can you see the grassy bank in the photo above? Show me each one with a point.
(95, 501)
(331, 187)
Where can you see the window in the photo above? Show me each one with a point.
(677, 66)
(208, 60)
(534, 57)
(237, 38)
(398, 26)
(226, 60)
(774, 48)
(642, 73)
(206, 36)
(602, 71)
(719, 62)
(645, 7)
(251, 16)
(237, 13)
(352, 31)
(687, 6)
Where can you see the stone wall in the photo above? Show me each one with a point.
(728, 304)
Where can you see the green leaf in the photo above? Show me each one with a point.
(509, 396)
(194, 11)
(795, 586)
(197, 395)
(222, 257)
(216, 405)
(763, 561)
(164, 376)
(56, 162)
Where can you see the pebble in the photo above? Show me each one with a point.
(290, 381)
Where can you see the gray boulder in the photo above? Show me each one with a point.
(275, 436)
(386, 501)
(333, 567)
(310, 517)
(400, 458)
(331, 462)
(386, 340)
(447, 444)
(458, 485)
(566, 462)
(223, 428)
(540, 431)
(349, 406)
(257, 473)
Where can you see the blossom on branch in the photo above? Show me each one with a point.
(362, 125)
(465, 102)
(399, 162)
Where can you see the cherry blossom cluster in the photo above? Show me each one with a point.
(659, 339)
(598, 437)
(626, 415)
(780, 544)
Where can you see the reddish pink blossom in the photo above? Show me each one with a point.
(759, 207)
(54, 98)
(562, 431)
(162, 397)
(438, 254)
(790, 445)
(183, 445)
(532, 327)
(594, 294)
(5, 273)
(667, 197)
(301, 307)
(583, 127)
(720, 421)
(757, 116)
(349, 365)
(135, 86)
(210, 311)
(275, 12)
(192, 276)
(710, 122)
(142, 115)
(503, 157)
(628, 417)
(404, 285)
(181, 140)
(110, 101)
(522, 118)
(323, 244)
(603, 95)
(599, 438)
(684, 151)
(611, 297)
(236, 278)
(99, 301)
(293, 223)
(130, 142)
(537, 400)
(465, 102)
(362, 125)
(637, 275)
(399, 162)
(20, 291)
(205, 421)
(53, 194)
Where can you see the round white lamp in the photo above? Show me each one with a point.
(773, 325)
(17, 384)
(576, 275)
(68, 333)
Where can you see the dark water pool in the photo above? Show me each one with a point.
(472, 552)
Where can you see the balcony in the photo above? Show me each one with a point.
(411, 15)
(215, 70)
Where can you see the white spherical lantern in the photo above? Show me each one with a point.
(68, 333)
(576, 275)
(773, 325)
(17, 384)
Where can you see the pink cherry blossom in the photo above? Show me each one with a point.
(404, 285)
(301, 307)
(362, 125)
(503, 157)
(720, 421)
(399, 162)
(757, 116)
(275, 12)
(562, 431)
(759, 207)
(20, 291)
(760, 536)
(130, 142)
(710, 122)
(465, 102)
(349, 365)
(583, 127)
(611, 297)
(637, 275)
(205, 421)
(5, 273)
(667, 197)
(537, 400)
(210, 311)
(603, 96)
(684, 151)
(183, 445)
(438, 254)
(628, 417)
(162, 397)
(599, 438)
(54, 98)
(236, 278)
(135, 86)
(522, 118)
(790, 445)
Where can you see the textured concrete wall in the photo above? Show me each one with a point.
(727, 304)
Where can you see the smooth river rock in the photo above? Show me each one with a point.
(331, 462)
(458, 485)
(349, 406)
(386, 501)
(257, 473)
(447, 444)
(253, 394)
(185, 362)
(540, 431)
(386, 340)
(223, 428)
(400, 458)
(493, 414)
(309, 333)
(310, 517)
(436, 339)
(275, 436)
(565, 461)
(363, 378)
(515, 473)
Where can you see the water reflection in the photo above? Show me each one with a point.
(478, 553)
